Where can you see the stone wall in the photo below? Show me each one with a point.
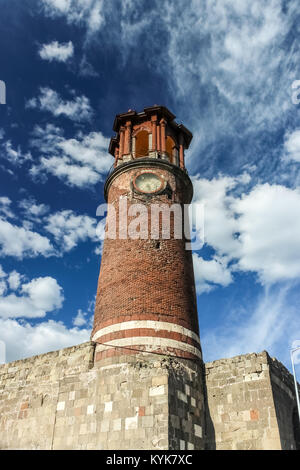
(61, 400)
(66, 400)
(285, 405)
(34, 393)
(250, 399)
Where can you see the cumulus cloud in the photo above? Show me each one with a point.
(22, 242)
(21, 301)
(60, 231)
(269, 232)
(256, 231)
(32, 299)
(87, 12)
(210, 273)
(292, 145)
(79, 109)
(5, 210)
(69, 229)
(14, 280)
(14, 156)
(80, 161)
(3, 287)
(82, 318)
(32, 210)
(25, 340)
(57, 51)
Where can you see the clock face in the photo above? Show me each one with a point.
(148, 183)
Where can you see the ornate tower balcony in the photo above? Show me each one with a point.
(152, 133)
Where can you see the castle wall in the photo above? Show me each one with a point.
(285, 405)
(65, 400)
(61, 400)
(250, 399)
(36, 393)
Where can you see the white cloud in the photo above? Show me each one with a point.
(236, 51)
(35, 299)
(82, 319)
(15, 156)
(88, 12)
(219, 222)
(74, 175)
(69, 229)
(292, 145)
(14, 280)
(79, 109)
(5, 210)
(22, 242)
(232, 67)
(86, 69)
(57, 51)
(3, 287)
(81, 161)
(271, 324)
(269, 227)
(32, 210)
(210, 273)
(25, 340)
(258, 231)
(44, 293)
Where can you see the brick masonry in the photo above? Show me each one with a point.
(146, 282)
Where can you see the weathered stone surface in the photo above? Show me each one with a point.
(250, 404)
(119, 403)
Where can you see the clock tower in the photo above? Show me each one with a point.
(146, 324)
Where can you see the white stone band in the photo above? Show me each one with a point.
(154, 325)
(150, 341)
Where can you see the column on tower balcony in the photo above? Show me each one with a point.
(163, 135)
(154, 133)
(158, 138)
(181, 151)
(122, 136)
(116, 156)
(127, 140)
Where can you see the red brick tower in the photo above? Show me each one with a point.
(146, 294)
(146, 302)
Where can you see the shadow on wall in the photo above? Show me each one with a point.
(285, 403)
(210, 436)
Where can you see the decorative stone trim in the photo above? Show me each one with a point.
(155, 325)
(151, 344)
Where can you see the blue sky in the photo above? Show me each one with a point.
(226, 70)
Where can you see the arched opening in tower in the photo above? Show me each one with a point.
(171, 149)
(142, 144)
